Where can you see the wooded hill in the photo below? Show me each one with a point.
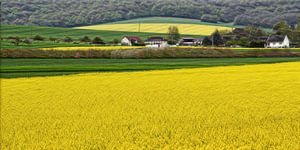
(70, 13)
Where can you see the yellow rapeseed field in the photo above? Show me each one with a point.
(93, 48)
(189, 29)
(81, 48)
(246, 107)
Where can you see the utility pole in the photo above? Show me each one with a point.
(139, 26)
(212, 42)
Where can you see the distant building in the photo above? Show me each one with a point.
(189, 41)
(277, 41)
(131, 40)
(156, 42)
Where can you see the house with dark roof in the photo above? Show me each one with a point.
(156, 42)
(131, 40)
(277, 41)
(190, 41)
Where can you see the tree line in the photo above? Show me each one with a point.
(69, 13)
(38, 38)
(252, 36)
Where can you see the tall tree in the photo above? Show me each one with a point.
(298, 25)
(85, 39)
(173, 35)
(217, 39)
(298, 32)
(206, 41)
(282, 28)
(282, 25)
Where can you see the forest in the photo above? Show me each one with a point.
(70, 13)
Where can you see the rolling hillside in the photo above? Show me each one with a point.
(142, 27)
(160, 25)
(30, 31)
(72, 13)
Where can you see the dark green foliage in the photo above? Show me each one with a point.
(231, 43)
(53, 39)
(257, 44)
(66, 13)
(16, 41)
(244, 41)
(68, 39)
(217, 39)
(97, 40)
(206, 41)
(115, 41)
(282, 25)
(38, 38)
(282, 28)
(255, 32)
(85, 39)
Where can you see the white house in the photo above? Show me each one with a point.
(130, 40)
(277, 41)
(156, 42)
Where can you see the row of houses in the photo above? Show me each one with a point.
(158, 42)
(155, 42)
(273, 41)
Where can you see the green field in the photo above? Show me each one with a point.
(76, 34)
(55, 32)
(11, 68)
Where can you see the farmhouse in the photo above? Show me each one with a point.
(156, 42)
(277, 41)
(189, 41)
(131, 40)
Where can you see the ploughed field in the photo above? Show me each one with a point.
(251, 107)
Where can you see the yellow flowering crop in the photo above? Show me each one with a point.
(137, 47)
(188, 29)
(242, 48)
(246, 107)
(93, 48)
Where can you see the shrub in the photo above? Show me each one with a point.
(53, 39)
(38, 38)
(17, 41)
(27, 41)
(68, 39)
(98, 40)
(85, 39)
